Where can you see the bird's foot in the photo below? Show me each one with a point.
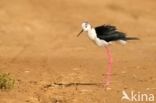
(106, 85)
(107, 80)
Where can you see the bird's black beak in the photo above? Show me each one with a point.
(80, 33)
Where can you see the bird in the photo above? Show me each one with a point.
(103, 36)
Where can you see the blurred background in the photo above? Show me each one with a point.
(38, 46)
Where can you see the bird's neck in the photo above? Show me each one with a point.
(91, 33)
(90, 30)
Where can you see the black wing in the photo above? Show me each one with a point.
(109, 33)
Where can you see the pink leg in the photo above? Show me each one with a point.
(109, 69)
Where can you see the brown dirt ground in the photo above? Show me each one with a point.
(38, 46)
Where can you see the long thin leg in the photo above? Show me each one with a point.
(109, 69)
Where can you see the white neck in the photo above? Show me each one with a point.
(92, 34)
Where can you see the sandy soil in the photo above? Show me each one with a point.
(39, 47)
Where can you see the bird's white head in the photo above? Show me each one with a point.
(85, 27)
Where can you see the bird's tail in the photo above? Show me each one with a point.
(132, 38)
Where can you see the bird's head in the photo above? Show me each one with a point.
(85, 27)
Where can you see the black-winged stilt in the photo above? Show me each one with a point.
(103, 36)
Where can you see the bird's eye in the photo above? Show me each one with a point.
(85, 25)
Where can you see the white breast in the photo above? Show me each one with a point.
(92, 34)
(101, 42)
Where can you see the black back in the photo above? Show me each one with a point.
(109, 33)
